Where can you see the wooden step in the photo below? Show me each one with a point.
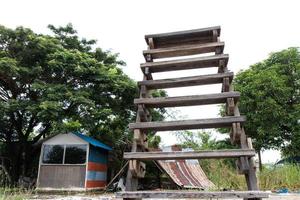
(195, 36)
(180, 155)
(187, 81)
(184, 64)
(188, 100)
(184, 50)
(188, 124)
(183, 194)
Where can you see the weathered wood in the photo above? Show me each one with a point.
(188, 124)
(137, 168)
(215, 35)
(230, 106)
(222, 66)
(184, 50)
(226, 85)
(184, 64)
(139, 142)
(186, 81)
(235, 134)
(196, 36)
(179, 155)
(188, 100)
(179, 194)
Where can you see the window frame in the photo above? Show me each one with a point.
(64, 155)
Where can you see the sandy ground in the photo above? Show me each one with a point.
(111, 197)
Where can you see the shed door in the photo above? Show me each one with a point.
(62, 176)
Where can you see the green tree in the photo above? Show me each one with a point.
(270, 98)
(56, 83)
(202, 140)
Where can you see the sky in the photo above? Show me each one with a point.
(251, 30)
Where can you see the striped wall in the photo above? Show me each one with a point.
(96, 168)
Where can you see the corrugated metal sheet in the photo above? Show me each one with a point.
(185, 173)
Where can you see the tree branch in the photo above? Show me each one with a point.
(44, 131)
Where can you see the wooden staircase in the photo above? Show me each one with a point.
(187, 43)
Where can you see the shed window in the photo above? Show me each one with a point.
(75, 154)
(53, 154)
(64, 154)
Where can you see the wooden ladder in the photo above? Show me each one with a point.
(186, 43)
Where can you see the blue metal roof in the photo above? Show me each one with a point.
(92, 141)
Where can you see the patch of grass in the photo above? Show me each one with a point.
(286, 176)
(224, 175)
(14, 193)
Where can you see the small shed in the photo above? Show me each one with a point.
(72, 161)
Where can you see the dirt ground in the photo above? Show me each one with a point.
(111, 197)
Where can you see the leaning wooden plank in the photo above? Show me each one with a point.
(188, 124)
(178, 155)
(192, 194)
(184, 50)
(183, 64)
(188, 100)
(186, 81)
(195, 36)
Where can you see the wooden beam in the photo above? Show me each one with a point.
(184, 50)
(184, 64)
(188, 124)
(186, 81)
(179, 155)
(186, 33)
(188, 100)
(195, 36)
(180, 194)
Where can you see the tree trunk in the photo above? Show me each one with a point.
(259, 160)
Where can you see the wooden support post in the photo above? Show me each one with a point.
(136, 168)
(215, 36)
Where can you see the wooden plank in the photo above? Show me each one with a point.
(184, 64)
(179, 155)
(184, 50)
(204, 31)
(186, 81)
(188, 124)
(188, 100)
(195, 36)
(180, 194)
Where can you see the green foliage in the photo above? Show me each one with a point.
(223, 174)
(201, 141)
(57, 83)
(286, 176)
(270, 98)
